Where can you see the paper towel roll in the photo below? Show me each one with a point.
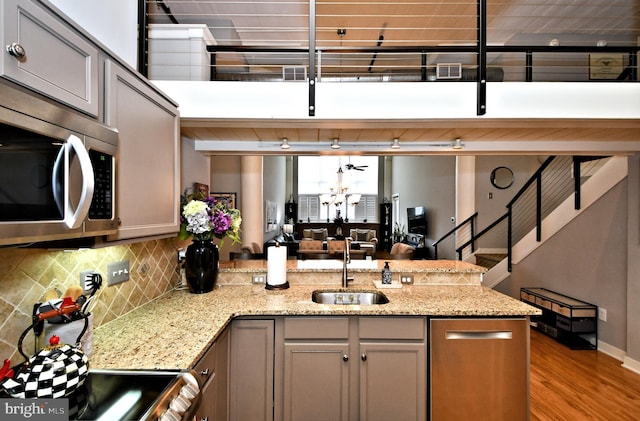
(276, 265)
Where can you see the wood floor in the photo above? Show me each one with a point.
(577, 385)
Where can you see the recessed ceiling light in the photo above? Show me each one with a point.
(335, 144)
(395, 144)
(285, 144)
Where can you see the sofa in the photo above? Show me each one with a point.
(363, 237)
(312, 249)
(321, 234)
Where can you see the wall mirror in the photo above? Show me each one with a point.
(502, 177)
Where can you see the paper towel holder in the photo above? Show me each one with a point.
(283, 285)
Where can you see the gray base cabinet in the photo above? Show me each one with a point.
(393, 368)
(317, 381)
(213, 367)
(317, 369)
(479, 369)
(251, 370)
(354, 368)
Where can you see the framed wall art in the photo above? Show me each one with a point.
(605, 66)
(270, 212)
(228, 198)
(201, 188)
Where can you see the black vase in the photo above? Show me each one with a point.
(201, 266)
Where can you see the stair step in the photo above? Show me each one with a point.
(489, 260)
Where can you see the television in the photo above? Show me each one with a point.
(417, 220)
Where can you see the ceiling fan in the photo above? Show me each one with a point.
(351, 166)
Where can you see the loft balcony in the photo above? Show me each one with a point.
(490, 73)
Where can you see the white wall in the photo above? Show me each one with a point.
(195, 167)
(114, 23)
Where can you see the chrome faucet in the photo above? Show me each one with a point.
(346, 258)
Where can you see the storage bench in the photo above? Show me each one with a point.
(570, 321)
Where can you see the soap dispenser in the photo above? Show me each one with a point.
(386, 274)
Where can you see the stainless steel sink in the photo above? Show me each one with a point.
(346, 297)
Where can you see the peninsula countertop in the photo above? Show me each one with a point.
(174, 330)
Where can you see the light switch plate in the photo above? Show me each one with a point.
(117, 272)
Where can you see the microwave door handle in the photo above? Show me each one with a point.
(82, 210)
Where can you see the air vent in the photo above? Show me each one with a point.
(449, 71)
(294, 73)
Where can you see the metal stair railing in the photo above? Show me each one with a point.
(556, 179)
(469, 223)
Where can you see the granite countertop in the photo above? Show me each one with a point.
(173, 331)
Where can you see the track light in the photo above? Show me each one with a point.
(335, 144)
(395, 144)
(285, 143)
(457, 144)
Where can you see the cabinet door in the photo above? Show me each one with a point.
(48, 56)
(148, 191)
(316, 381)
(479, 369)
(393, 381)
(251, 370)
(213, 368)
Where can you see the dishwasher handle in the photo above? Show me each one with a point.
(478, 334)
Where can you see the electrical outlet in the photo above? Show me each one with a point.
(117, 272)
(406, 279)
(602, 314)
(85, 276)
(259, 278)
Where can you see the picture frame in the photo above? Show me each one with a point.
(201, 188)
(229, 198)
(270, 212)
(604, 66)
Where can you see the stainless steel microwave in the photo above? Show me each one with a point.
(57, 171)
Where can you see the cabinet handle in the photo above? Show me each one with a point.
(205, 372)
(16, 50)
(363, 357)
(345, 358)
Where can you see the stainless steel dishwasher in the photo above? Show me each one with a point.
(479, 369)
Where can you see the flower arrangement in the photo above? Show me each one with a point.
(204, 217)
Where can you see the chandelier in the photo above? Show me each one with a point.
(339, 195)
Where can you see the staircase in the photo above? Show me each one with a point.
(609, 173)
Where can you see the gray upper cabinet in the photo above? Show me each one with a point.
(41, 52)
(148, 189)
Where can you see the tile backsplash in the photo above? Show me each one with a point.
(26, 274)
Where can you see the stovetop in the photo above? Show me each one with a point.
(117, 395)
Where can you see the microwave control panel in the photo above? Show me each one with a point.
(102, 203)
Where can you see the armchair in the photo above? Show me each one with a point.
(401, 251)
(364, 237)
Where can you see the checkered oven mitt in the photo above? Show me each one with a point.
(54, 372)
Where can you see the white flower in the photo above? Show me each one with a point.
(195, 207)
